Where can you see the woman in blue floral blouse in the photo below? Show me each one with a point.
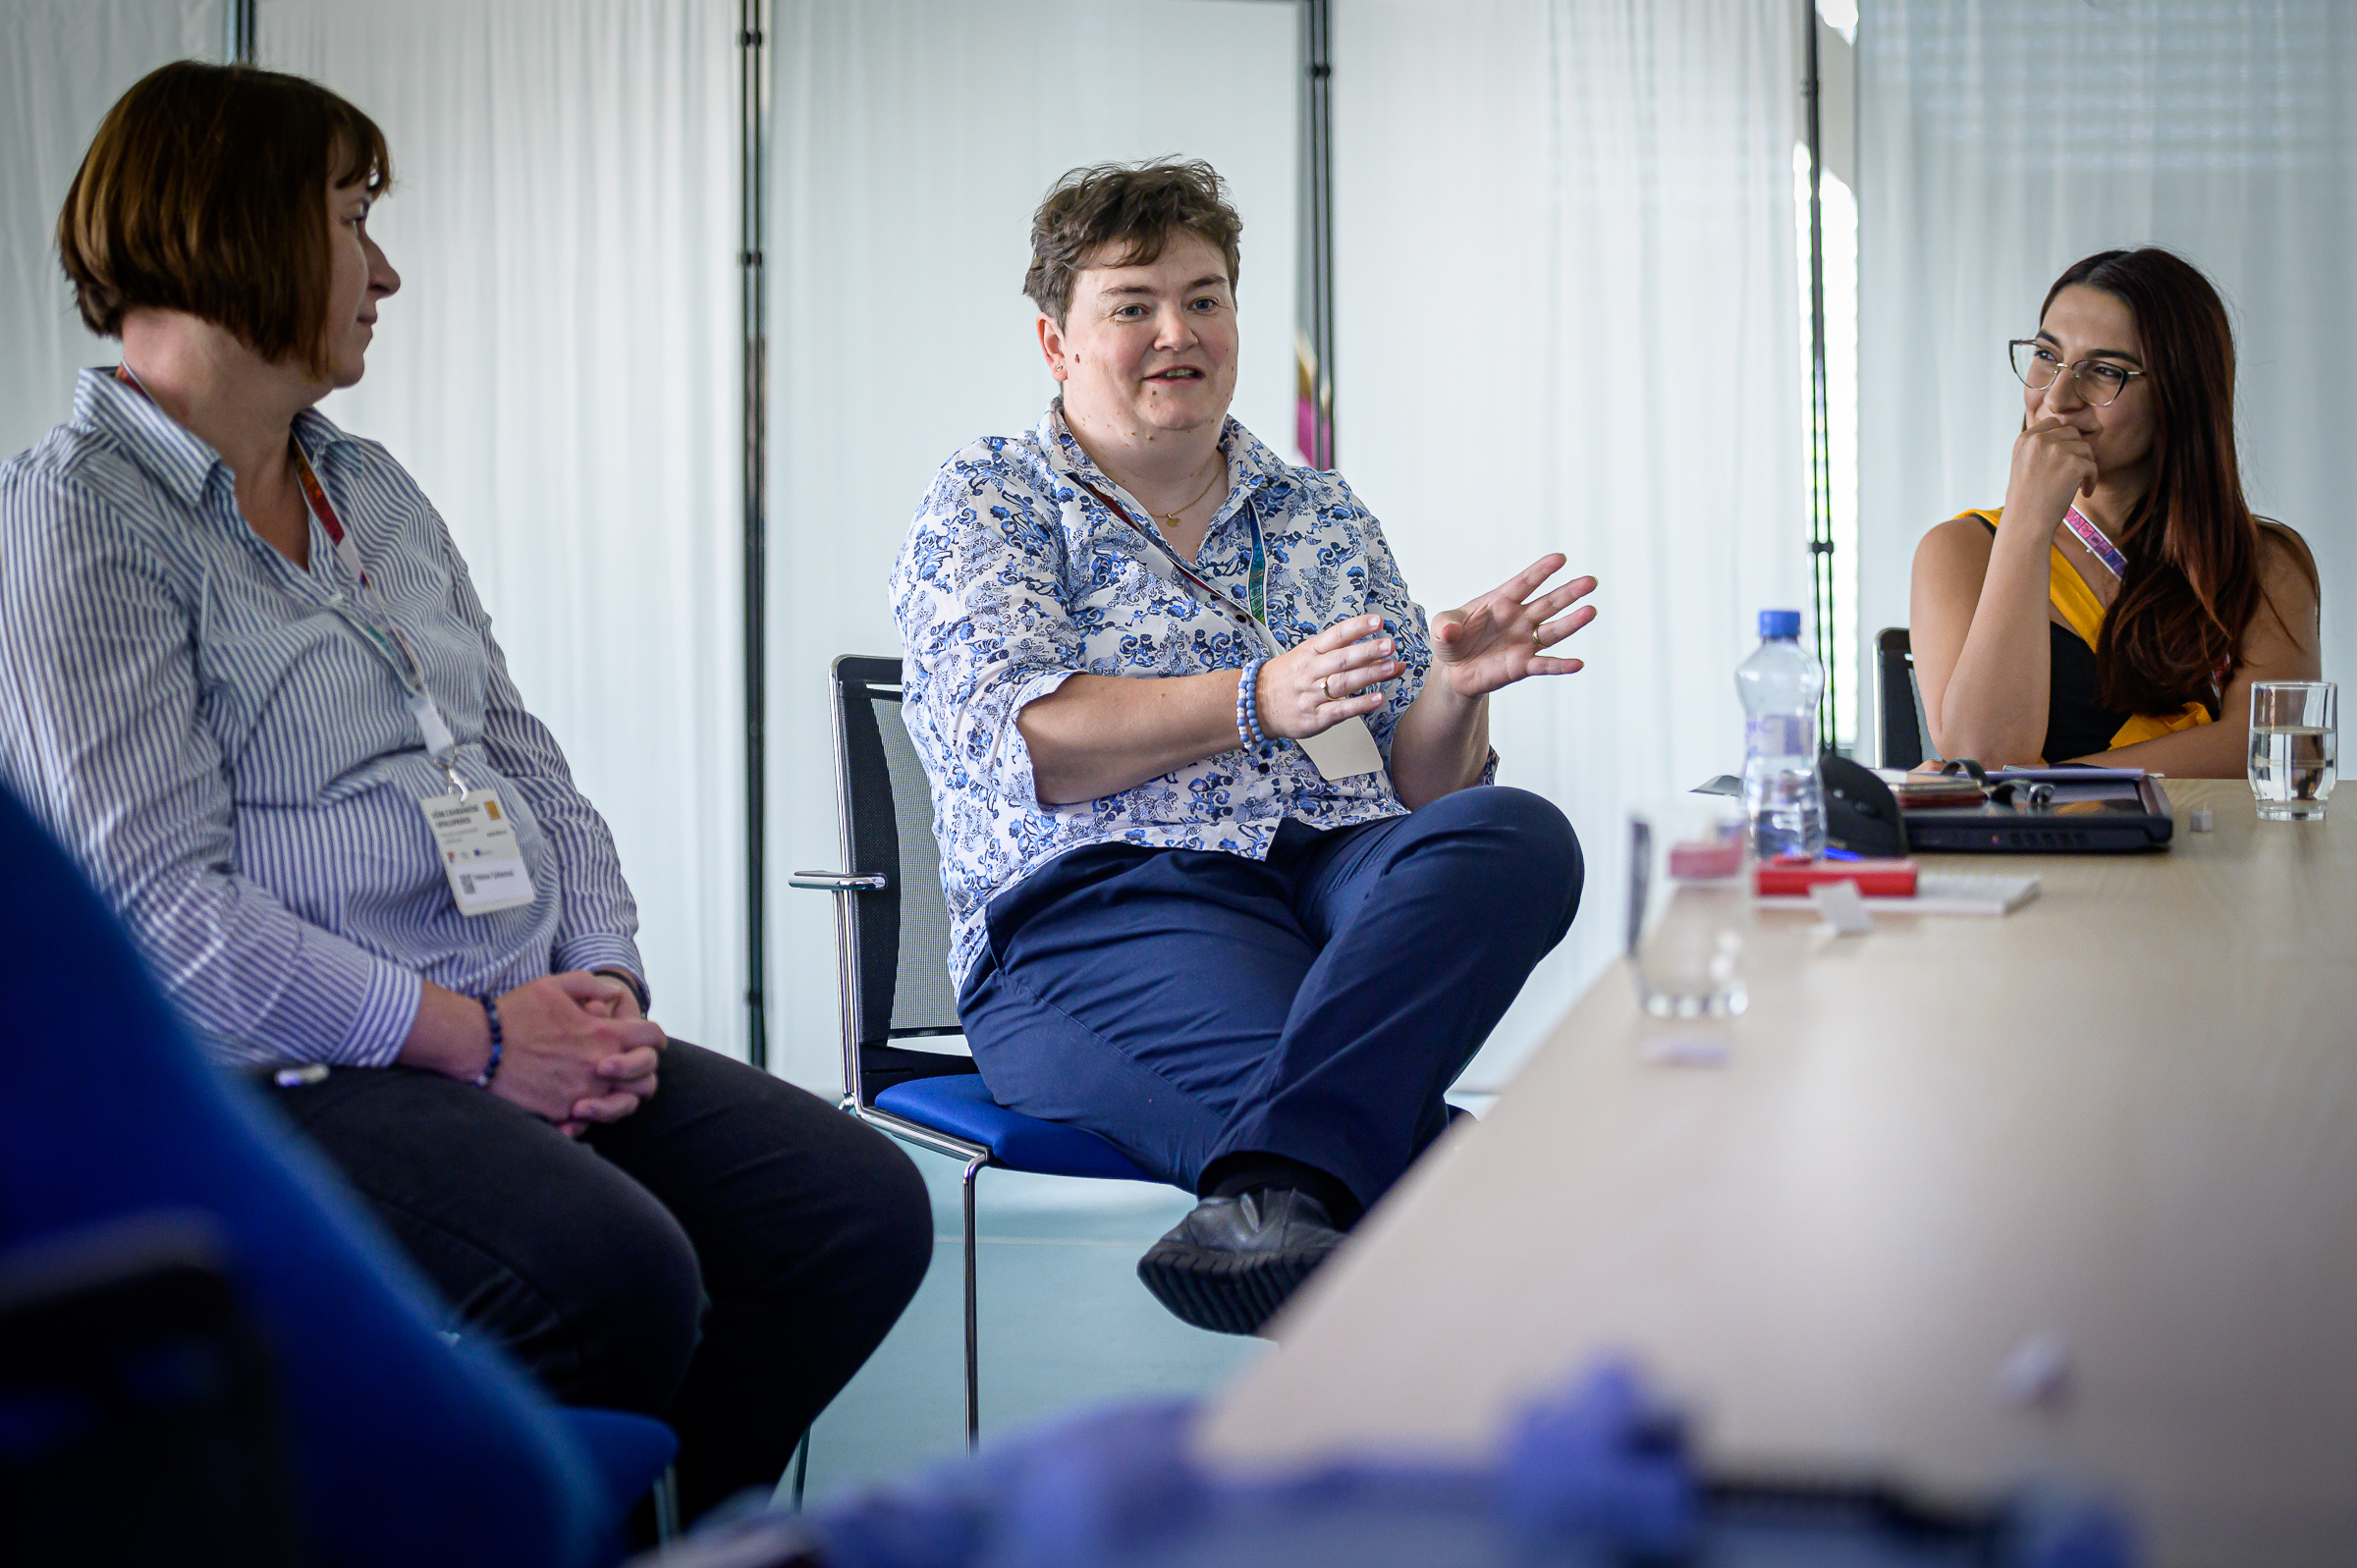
(1231, 883)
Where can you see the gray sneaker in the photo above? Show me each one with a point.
(1232, 1262)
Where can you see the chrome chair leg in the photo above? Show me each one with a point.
(667, 1506)
(973, 1325)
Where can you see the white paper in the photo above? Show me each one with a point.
(1938, 893)
(1345, 751)
(1844, 910)
(480, 851)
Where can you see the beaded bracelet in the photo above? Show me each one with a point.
(1247, 706)
(483, 1080)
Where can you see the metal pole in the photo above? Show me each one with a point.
(1821, 457)
(753, 44)
(236, 43)
(1317, 129)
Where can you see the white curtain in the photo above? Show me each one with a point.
(560, 371)
(2001, 142)
(63, 64)
(913, 139)
(1566, 322)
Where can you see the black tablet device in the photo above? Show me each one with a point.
(2048, 811)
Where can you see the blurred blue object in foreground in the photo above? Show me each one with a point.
(1599, 1474)
(401, 1448)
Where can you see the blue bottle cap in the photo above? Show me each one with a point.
(1779, 623)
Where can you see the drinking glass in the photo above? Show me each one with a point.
(2295, 748)
(1689, 907)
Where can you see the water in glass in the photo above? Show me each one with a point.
(2295, 744)
(1689, 913)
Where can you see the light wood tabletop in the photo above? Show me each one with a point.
(2113, 1133)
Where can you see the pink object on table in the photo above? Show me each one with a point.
(1694, 861)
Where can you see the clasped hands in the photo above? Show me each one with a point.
(576, 1050)
(1489, 643)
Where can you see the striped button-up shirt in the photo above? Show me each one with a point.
(1015, 578)
(235, 766)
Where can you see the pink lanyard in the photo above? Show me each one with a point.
(384, 640)
(2103, 549)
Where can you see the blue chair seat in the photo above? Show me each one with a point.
(630, 1452)
(960, 1105)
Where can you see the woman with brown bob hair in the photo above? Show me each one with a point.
(252, 691)
(2118, 607)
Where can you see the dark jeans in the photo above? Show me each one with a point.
(724, 1257)
(1190, 1003)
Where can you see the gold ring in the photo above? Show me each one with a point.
(1322, 686)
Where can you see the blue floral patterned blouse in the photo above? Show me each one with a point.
(1016, 578)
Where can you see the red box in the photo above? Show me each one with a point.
(1876, 879)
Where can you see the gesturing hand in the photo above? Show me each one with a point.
(576, 1052)
(1499, 638)
(1309, 688)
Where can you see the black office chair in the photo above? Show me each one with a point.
(1905, 730)
(892, 958)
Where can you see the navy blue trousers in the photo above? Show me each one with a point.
(1192, 1003)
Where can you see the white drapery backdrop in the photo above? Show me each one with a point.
(1565, 277)
(560, 372)
(63, 64)
(913, 143)
(1566, 280)
(2001, 142)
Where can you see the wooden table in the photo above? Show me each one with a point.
(2122, 1121)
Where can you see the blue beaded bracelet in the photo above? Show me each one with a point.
(483, 1080)
(1247, 706)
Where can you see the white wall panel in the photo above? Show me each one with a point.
(63, 64)
(560, 372)
(1566, 322)
(913, 143)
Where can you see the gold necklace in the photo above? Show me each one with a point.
(1169, 519)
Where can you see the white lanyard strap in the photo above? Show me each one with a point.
(377, 628)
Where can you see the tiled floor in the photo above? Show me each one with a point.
(1065, 1324)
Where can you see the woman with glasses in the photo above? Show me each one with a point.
(2123, 600)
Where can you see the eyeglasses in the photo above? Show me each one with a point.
(2099, 381)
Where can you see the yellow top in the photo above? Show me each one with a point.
(2083, 613)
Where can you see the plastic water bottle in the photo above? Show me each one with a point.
(1779, 685)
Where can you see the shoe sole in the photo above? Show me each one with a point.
(1221, 1291)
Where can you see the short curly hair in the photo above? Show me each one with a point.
(205, 192)
(1138, 206)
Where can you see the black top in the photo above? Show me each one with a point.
(2077, 724)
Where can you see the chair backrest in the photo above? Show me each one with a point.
(897, 970)
(1898, 701)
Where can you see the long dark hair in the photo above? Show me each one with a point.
(2192, 587)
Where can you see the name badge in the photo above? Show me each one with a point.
(480, 851)
(1345, 751)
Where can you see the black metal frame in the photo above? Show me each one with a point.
(236, 39)
(1317, 220)
(868, 891)
(1900, 739)
(752, 45)
(1821, 454)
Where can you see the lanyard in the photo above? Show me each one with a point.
(385, 639)
(2103, 549)
(1257, 584)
